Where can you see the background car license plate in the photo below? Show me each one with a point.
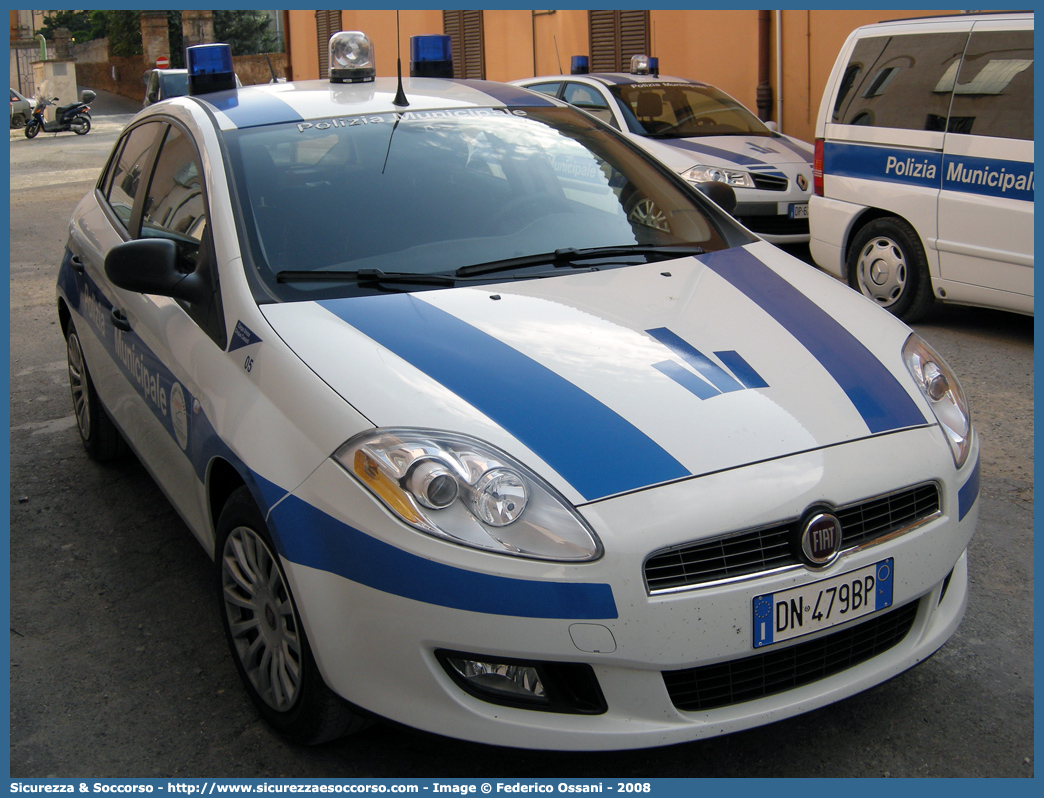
(799, 210)
(820, 605)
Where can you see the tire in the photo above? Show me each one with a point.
(99, 434)
(887, 265)
(81, 125)
(17, 121)
(265, 635)
(32, 129)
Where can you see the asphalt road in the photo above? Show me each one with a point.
(118, 660)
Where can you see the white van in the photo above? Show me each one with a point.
(923, 183)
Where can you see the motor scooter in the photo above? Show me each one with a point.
(75, 116)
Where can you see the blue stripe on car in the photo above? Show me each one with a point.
(968, 493)
(716, 152)
(253, 109)
(876, 394)
(315, 539)
(714, 373)
(596, 450)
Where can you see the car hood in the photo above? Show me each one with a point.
(752, 153)
(613, 381)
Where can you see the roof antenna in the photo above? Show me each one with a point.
(400, 95)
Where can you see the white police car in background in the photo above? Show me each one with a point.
(924, 161)
(702, 134)
(497, 428)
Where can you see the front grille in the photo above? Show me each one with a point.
(755, 551)
(769, 182)
(779, 225)
(728, 683)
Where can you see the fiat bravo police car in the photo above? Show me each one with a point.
(702, 134)
(495, 427)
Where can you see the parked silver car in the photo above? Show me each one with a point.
(21, 108)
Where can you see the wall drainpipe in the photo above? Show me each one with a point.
(764, 91)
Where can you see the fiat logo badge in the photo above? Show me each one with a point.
(821, 539)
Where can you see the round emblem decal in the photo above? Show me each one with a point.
(179, 414)
(821, 539)
(802, 182)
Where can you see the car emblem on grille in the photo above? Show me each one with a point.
(820, 539)
(802, 182)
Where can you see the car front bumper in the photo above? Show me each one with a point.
(376, 620)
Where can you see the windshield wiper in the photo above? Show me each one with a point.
(571, 257)
(363, 276)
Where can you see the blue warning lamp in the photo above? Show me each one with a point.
(431, 56)
(209, 68)
(579, 65)
(654, 66)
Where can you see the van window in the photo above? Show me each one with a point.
(900, 81)
(993, 94)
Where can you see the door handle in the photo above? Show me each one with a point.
(76, 263)
(119, 321)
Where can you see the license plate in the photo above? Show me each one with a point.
(820, 605)
(799, 210)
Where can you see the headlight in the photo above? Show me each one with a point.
(716, 174)
(466, 491)
(942, 390)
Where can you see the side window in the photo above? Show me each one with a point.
(993, 94)
(125, 180)
(550, 89)
(899, 81)
(590, 99)
(174, 208)
(174, 202)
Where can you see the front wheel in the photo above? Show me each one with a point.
(887, 264)
(80, 125)
(32, 129)
(265, 634)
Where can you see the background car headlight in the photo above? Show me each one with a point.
(716, 174)
(941, 388)
(469, 492)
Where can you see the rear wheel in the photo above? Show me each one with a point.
(17, 121)
(100, 437)
(32, 129)
(80, 125)
(887, 264)
(265, 634)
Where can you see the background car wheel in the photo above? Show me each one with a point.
(888, 265)
(17, 121)
(265, 634)
(32, 129)
(100, 437)
(80, 125)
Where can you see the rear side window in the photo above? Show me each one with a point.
(993, 93)
(900, 81)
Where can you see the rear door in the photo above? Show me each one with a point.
(986, 205)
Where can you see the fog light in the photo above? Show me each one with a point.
(519, 681)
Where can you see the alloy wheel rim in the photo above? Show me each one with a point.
(78, 387)
(261, 619)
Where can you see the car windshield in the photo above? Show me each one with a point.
(350, 205)
(683, 110)
(174, 84)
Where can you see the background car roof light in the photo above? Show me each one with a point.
(209, 68)
(351, 57)
(639, 65)
(579, 65)
(431, 56)
(654, 66)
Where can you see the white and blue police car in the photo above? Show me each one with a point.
(498, 428)
(702, 134)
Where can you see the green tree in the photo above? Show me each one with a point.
(78, 23)
(123, 29)
(246, 31)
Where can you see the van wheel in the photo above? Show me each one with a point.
(265, 634)
(887, 264)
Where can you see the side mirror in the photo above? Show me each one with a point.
(771, 125)
(721, 194)
(152, 266)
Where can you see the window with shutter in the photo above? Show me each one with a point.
(327, 23)
(614, 36)
(466, 40)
